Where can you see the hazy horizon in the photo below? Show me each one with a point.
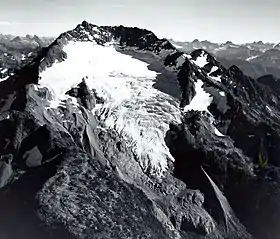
(182, 20)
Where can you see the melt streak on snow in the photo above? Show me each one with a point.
(139, 112)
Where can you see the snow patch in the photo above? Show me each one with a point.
(201, 61)
(251, 58)
(214, 68)
(177, 46)
(96, 36)
(95, 29)
(201, 100)
(216, 78)
(222, 93)
(136, 110)
(217, 132)
(4, 70)
(5, 78)
(90, 37)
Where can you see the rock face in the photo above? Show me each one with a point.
(111, 132)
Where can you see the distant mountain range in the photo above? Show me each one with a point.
(254, 59)
(16, 51)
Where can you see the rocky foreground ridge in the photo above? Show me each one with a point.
(111, 132)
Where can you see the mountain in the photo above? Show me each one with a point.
(254, 70)
(227, 50)
(111, 132)
(254, 59)
(268, 58)
(17, 51)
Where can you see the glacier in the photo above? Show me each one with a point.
(131, 105)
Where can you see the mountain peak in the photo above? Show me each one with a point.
(85, 23)
(229, 43)
(276, 45)
(195, 41)
(125, 36)
(235, 68)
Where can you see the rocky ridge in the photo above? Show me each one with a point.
(255, 59)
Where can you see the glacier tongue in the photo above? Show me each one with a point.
(132, 106)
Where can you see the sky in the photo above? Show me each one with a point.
(239, 21)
